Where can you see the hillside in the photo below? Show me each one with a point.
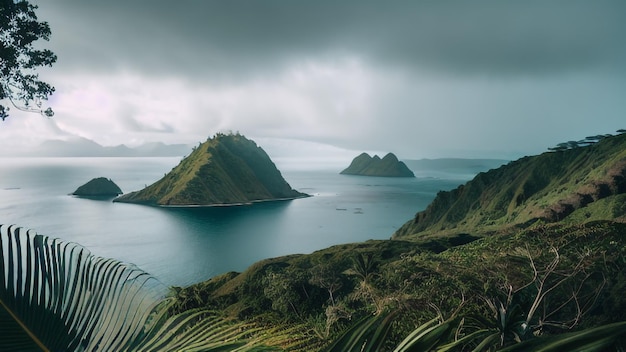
(224, 170)
(559, 270)
(321, 294)
(547, 187)
(388, 166)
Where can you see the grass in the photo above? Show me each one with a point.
(548, 187)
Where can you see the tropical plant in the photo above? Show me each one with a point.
(367, 335)
(529, 318)
(609, 337)
(364, 269)
(57, 296)
(371, 333)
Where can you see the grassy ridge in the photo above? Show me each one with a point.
(547, 187)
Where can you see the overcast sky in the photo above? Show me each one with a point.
(422, 79)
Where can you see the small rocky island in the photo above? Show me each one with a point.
(389, 166)
(224, 170)
(98, 187)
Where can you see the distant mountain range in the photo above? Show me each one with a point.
(83, 147)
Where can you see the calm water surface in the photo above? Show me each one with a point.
(182, 246)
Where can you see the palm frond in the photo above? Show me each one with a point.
(601, 338)
(65, 298)
(57, 296)
(366, 335)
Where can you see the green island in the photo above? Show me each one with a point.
(98, 187)
(528, 256)
(388, 166)
(228, 169)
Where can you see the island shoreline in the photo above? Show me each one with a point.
(215, 205)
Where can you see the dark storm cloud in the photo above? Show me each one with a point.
(238, 38)
(438, 78)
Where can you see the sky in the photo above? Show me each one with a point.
(421, 79)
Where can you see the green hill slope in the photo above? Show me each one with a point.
(325, 292)
(226, 169)
(540, 278)
(388, 166)
(547, 187)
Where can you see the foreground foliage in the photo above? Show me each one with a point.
(437, 335)
(551, 285)
(577, 285)
(56, 296)
(505, 289)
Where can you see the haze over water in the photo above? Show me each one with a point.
(182, 246)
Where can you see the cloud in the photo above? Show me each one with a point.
(311, 100)
(126, 114)
(418, 78)
(347, 104)
(231, 39)
(437, 116)
(505, 38)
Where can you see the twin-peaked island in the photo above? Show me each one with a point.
(389, 166)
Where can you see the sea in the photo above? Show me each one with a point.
(183, 246)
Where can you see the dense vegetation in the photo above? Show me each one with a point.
(226, 169)
(581, 269)
(388, 166)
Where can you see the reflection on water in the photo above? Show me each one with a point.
(209, 219)
(220, 239)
